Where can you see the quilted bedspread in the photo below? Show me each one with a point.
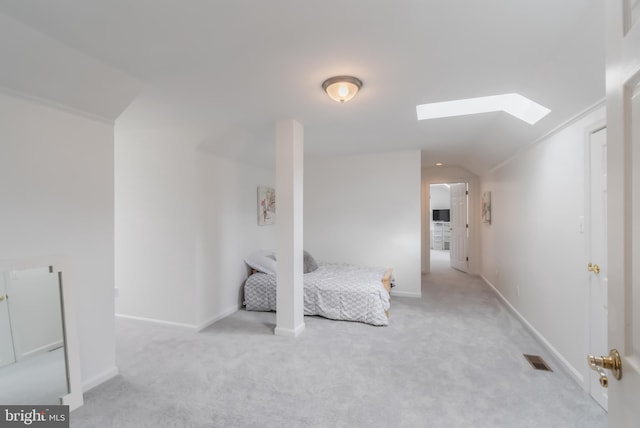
(335, 291)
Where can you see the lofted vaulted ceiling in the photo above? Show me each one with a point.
(228, 70)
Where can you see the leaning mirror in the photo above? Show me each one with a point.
(38, 353)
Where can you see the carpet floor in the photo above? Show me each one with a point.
(450, 359)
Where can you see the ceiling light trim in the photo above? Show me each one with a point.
(342, 88)
(515, 104)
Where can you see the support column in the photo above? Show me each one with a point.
(289, 226)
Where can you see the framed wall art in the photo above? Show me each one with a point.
(486, 207)
(266, 205)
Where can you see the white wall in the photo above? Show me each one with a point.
(440, 198)
(228, 231)
(47, 69)
(156, 224)
(56, 193)
(533, 253)
(365, 209)
(185, 220)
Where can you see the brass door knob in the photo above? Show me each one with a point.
(593, 268)
(611, 362)
(1, 297)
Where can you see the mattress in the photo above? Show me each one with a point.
(335, 291)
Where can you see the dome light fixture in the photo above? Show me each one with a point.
(342, 88)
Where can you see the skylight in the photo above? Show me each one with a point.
(514, 104)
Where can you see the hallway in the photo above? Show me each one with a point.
(490, 337)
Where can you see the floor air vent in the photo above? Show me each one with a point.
(537, 362)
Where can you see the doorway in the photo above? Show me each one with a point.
(449, 224)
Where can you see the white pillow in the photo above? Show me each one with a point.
(309, 263)
(262, 261)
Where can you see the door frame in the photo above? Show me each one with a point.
(442, 175)
(587, 224)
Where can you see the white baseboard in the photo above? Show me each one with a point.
(41, 349)
(279, 331)
(218, 317)
(99, 379)
(193, 327)
(157, 321)
(568, 367)
(401, 293)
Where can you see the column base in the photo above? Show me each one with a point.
(280, 331)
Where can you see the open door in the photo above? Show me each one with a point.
(623, 210)
(459, 227)
(597, 254)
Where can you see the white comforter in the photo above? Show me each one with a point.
(336, 291)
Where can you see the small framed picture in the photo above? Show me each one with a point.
(266, 205)
(486, 207)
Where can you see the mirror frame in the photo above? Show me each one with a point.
(58, 265)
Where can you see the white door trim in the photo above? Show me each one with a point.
(589, 383)
(473, 248)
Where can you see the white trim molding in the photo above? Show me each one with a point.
(192, 327)
(55, 105)
(218, 317)
(157, 321)
(100, 379)
(401, 293)
(288, 332)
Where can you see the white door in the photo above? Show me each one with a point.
(7, 355)
(623, 208)
(459, 227)
(597, 252)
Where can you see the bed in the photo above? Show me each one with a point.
(332, 290)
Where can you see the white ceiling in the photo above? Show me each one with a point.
(228, 70)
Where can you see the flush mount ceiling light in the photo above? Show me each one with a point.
(342, 88)
(514, 104)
